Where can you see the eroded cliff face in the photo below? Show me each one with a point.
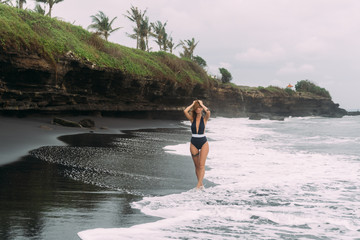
(30, 84)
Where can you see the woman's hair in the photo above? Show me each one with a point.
(196, 105)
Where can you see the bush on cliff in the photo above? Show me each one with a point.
(307, 86)
(225, 75)
(28, 32)
(199, 60)
(289, 91)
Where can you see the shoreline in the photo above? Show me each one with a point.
(21, 135)
(51, 189)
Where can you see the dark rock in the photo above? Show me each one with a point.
(277, 118)
(353, 113)
(30, 84)
(87, 123)
(66, 123)
(255, 117)
(46, 127)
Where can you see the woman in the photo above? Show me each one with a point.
(199, 147)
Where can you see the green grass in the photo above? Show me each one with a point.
(27, 32)
(313, 92)
(272, 90)
(310, 87)
(30, 33)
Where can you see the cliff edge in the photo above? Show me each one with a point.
(49, 66)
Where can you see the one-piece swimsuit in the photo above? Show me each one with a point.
(198, 139)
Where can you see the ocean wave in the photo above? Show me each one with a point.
(265, 188)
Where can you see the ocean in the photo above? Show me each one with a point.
(292, 179)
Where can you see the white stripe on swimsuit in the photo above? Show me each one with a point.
(198, 135)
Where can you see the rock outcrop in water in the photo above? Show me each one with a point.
(30, 84)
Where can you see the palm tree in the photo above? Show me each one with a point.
(145, 31)
(189, 47)
(7, 2)
(20, 3)
(160, 34)
(38, 9)
(141, 34)
(170, 44)
(102, 25)
(165, 41)
(51, 3)
(135, 15)
(134, 36)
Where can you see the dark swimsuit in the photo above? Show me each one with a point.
(198, 139)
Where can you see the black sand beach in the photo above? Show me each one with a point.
(20, 135)
(77, 179)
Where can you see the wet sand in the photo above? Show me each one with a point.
(78, 179)
(20, 135)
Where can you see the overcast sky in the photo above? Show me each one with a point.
(261, 42)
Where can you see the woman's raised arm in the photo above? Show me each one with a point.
(186, 111)
(207, 111)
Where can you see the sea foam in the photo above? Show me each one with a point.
(267, 186)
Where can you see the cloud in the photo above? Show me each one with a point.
(256, 40)
(312, 46)
(255, 55)
(225, 65)
(291, 69)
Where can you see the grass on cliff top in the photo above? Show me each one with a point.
(281, 92)
(29, 32)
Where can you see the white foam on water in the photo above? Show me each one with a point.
(262, 191)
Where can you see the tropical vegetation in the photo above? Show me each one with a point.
(170, 44)
(308, 86)
(225, 75)
(38, 9)
(52, 39)
(160, 34)
(51, 4)
(20, 3)
(28, 31)
(142, 31)
(102, 25)
(199, 60)
(188, 47)
(7, 2)
(135, 15)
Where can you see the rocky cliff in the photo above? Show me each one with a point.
(30, 84)
(51, 66)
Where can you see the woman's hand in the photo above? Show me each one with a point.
(202, 105)
(186, 111)
(205, 109)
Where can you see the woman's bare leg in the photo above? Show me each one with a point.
(195, 154)
(201, 167)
